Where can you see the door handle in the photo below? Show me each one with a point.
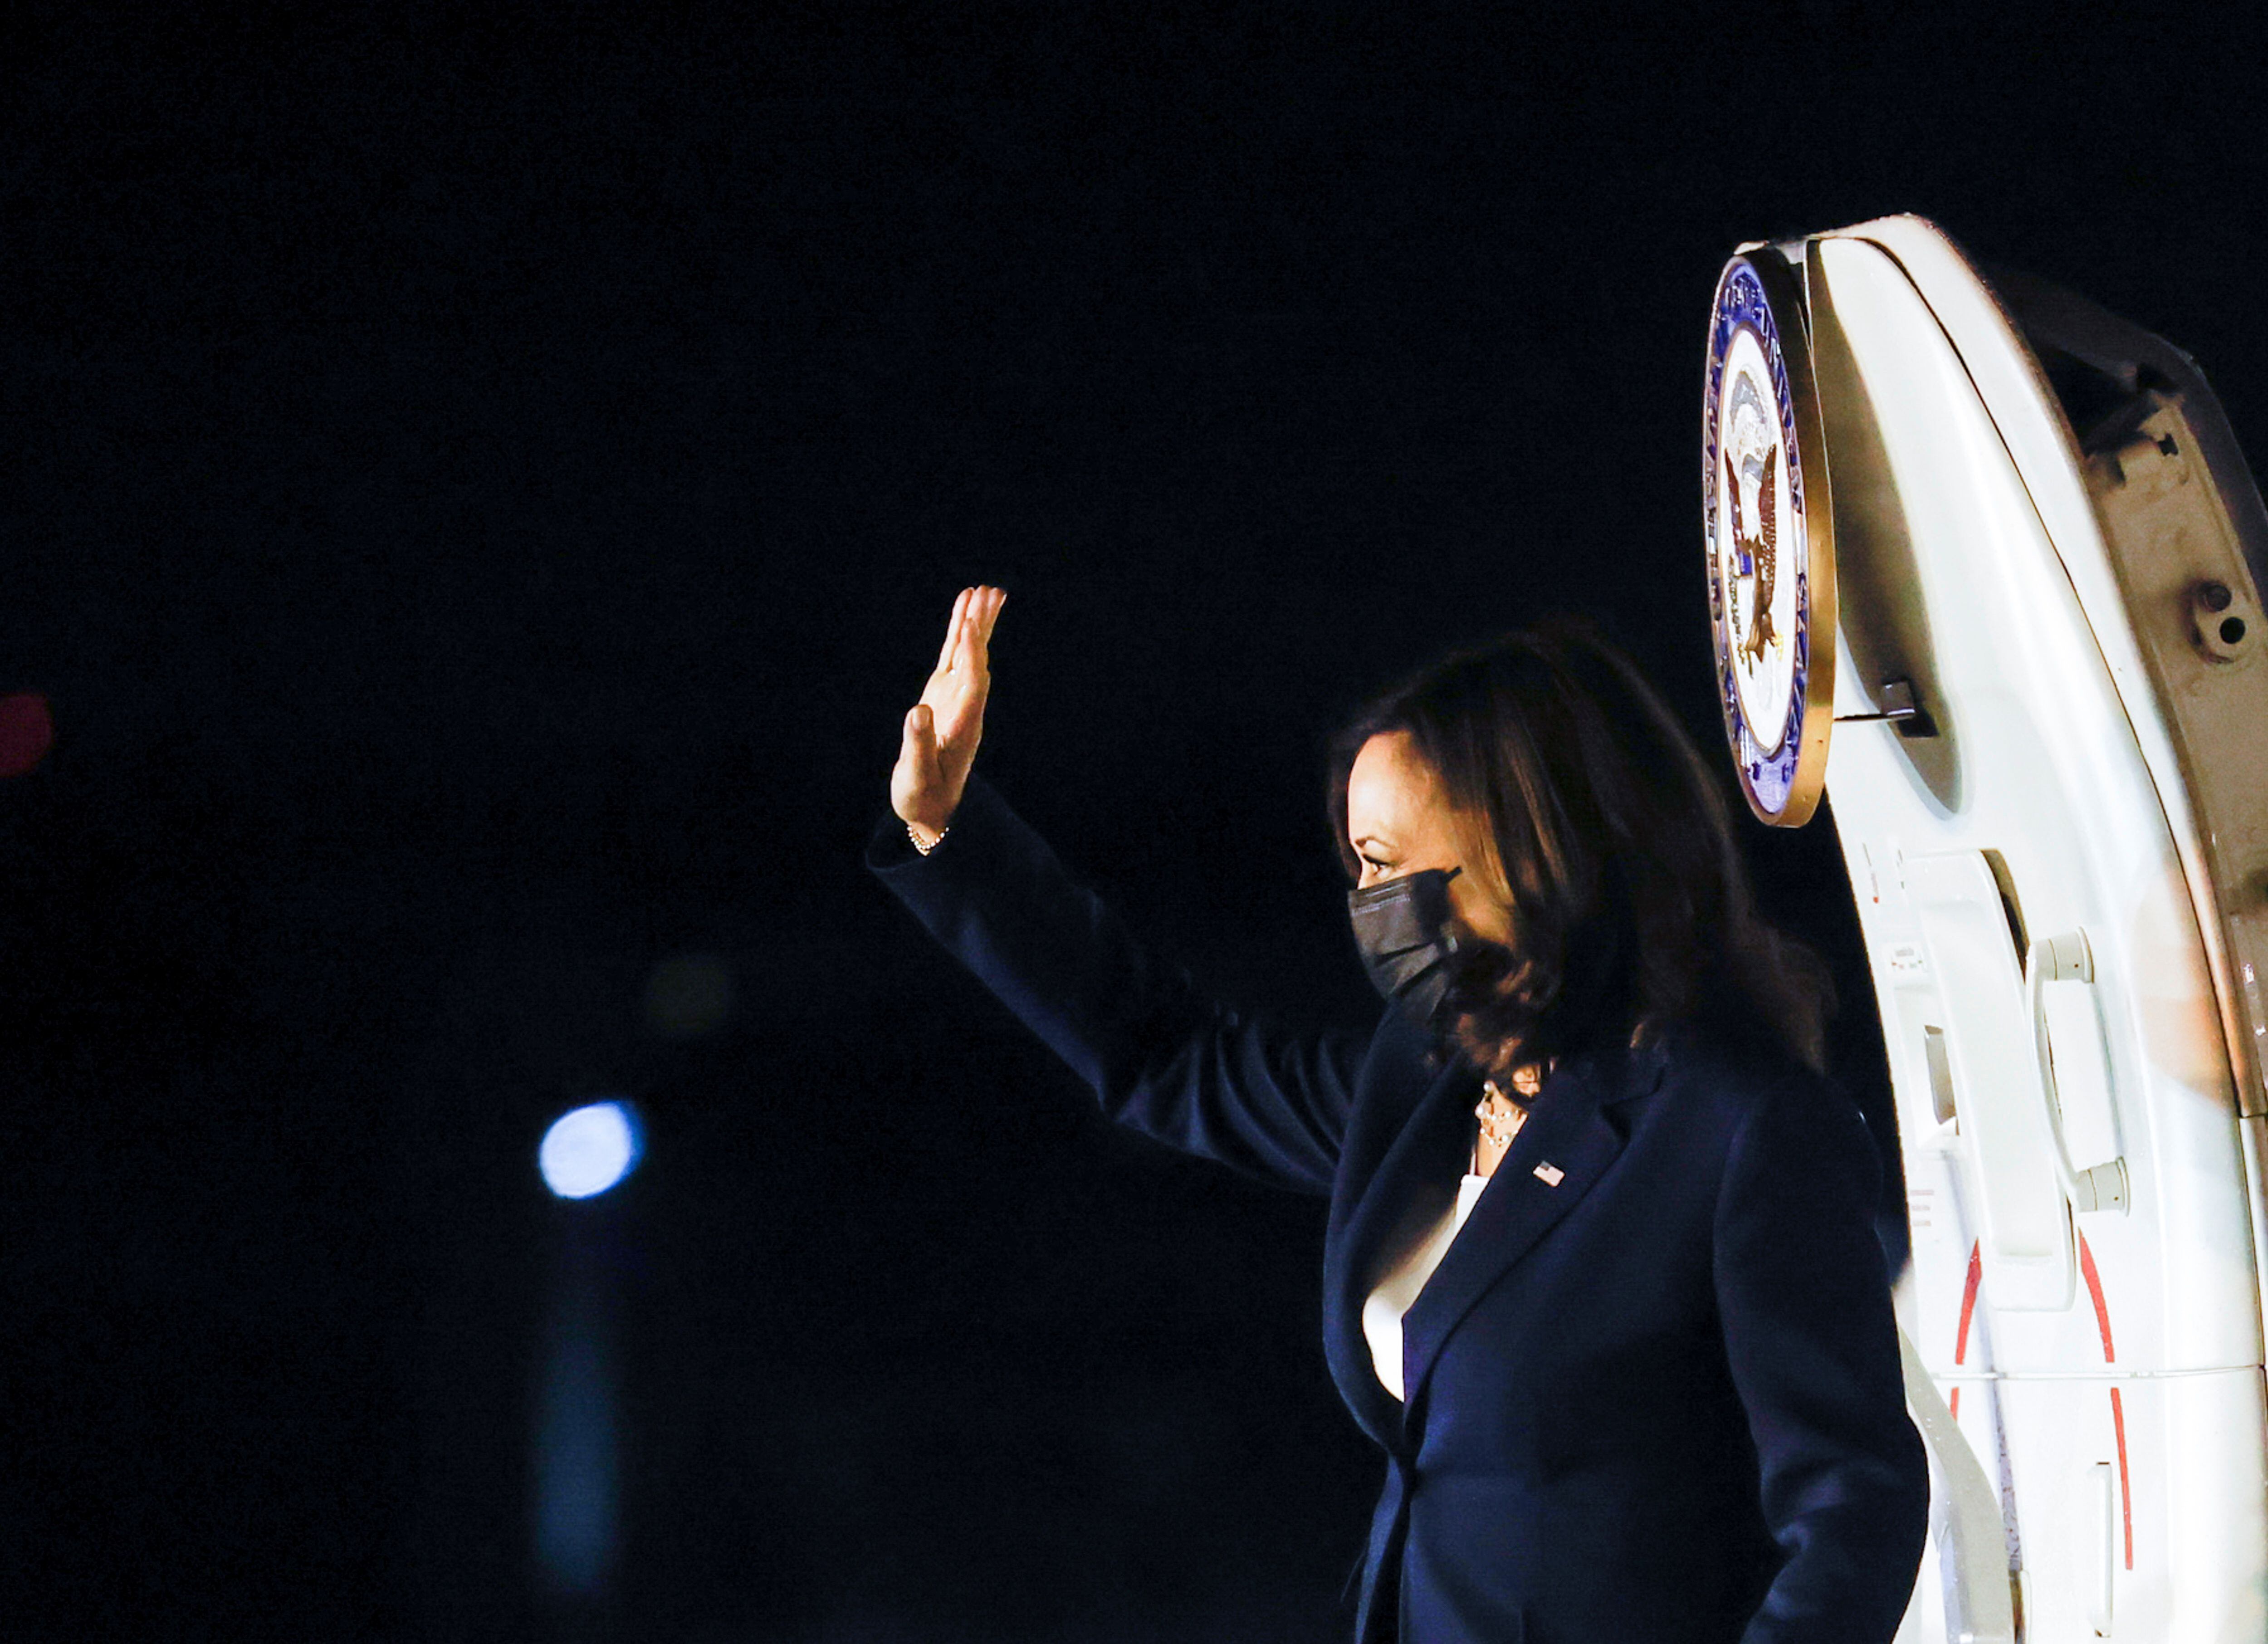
(2067, 958)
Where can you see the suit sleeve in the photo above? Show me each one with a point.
(1163, 1058)
(1813, 1349)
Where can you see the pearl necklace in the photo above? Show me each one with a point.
(1501, 1117)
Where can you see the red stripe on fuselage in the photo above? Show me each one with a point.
(2117, 1410)
(2094, 1290)
(1968, 1312)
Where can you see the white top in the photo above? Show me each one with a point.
(1381, 1314)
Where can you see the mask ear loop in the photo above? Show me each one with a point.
(1434, 909)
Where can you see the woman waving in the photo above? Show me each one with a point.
(1600, 1277)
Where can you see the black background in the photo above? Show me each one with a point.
(483, 487)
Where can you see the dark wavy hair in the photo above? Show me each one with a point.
(1630, 904)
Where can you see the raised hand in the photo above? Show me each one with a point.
(943, 728)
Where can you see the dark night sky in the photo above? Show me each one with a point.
(483, 487)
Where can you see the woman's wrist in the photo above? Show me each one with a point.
(926, 828)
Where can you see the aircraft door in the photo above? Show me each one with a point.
(2082, 1300)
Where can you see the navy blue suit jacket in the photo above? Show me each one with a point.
(1654, 1395)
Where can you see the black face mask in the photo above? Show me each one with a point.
(1403, 928)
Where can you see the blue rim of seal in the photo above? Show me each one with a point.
(1768, 773)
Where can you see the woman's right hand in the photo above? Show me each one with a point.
(943, 728)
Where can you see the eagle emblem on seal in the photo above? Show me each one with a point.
(1759, 554)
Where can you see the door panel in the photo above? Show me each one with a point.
(2093, 1333)
(2026, 1226)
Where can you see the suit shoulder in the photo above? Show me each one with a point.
(1728, 1083)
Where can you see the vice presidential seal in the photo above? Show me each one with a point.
(1767, 525)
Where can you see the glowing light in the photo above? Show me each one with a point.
(688, 995)
(589, 1149)
(28, 731)
(576, 1464)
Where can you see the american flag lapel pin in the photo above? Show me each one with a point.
(1550, 1175)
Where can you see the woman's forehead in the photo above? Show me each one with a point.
(1390, 788)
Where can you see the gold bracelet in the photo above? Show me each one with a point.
(931, 845)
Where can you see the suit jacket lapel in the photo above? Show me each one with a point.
(1560, 1153)
(1419, 1153)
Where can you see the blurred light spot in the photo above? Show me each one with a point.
(586, 1151)
(28, 731)
(688, 995)
(575, 1467)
